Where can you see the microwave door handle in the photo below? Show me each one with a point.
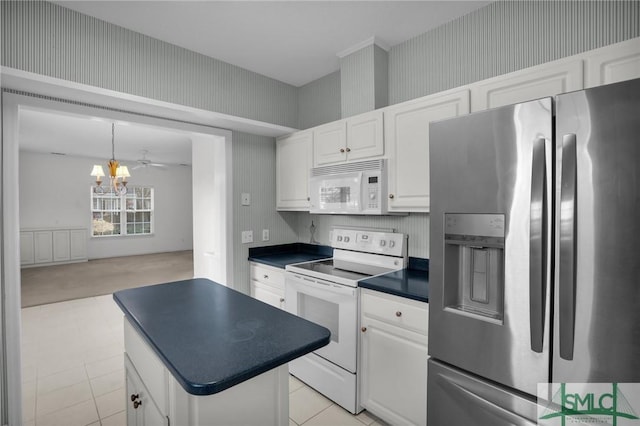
(539, 241)
(567, 259)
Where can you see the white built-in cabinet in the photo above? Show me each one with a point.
(267, 284)
(141, 408)
(293, 162)
(400, 132)
(393, 357)
(532, 83)
(612, 64)
(407, 138)
(356, 138)
(40, 247)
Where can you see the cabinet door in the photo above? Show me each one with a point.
(141, 409)
(61, 246)
(78, 243)
(397, 395)
(533, 83)
(293, 162)
(43, 246)
(365, 136)
(612, 64)
(407, 138)
(27, 255)
(267, 294)
(330, 143)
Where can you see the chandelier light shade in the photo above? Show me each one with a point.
(117, 174)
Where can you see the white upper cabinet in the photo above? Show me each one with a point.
(612, 64)
(355, 138)
(293, 162)
(407, 138)
(532, 83)
(365, 136)
(330, 143)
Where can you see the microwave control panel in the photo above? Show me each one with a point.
(371, 199)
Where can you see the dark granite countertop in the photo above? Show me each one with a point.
(286, 254)
(412, 282)
(211, 337)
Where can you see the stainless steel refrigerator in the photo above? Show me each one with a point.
(535, 253)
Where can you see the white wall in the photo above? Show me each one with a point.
(54, 192)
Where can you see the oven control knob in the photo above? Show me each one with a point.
(339, 238)
(346, 239)
(383, 243)
(392, 243)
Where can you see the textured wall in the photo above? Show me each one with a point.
(319, 101)
(48, 39)
(357, 82)
(416, 225)
(503, 37)
(254, 162)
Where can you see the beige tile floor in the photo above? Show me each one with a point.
(73, 371)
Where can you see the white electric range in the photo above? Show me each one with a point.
(326, 292)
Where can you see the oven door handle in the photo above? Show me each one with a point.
(301, 283)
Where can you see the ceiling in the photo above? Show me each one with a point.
(292, 41)
(84, 136)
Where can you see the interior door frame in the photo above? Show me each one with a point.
(10, 305)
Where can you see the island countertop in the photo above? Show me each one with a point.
(211, 337)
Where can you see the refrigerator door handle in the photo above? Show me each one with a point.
(539, 248)
(567, 237)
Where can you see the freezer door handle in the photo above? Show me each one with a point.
(539, 249)
(567, 278)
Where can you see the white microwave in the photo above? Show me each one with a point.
(351, 188)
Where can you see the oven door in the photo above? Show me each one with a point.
(331, 305)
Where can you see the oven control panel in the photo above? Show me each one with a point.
(388, 243)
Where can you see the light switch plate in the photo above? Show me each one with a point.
(245, 199)
(265, 235)
(247, 237)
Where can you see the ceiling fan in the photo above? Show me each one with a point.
(144, 162)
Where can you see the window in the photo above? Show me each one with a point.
(130, 214)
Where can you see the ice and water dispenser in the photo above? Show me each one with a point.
(474, 265)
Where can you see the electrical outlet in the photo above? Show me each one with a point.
(247, 237)
(245, 199)
(265, 235)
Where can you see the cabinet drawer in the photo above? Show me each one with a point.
(406, 313)
(148, 365)
(268, 275)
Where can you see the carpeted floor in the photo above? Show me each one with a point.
(49, 284)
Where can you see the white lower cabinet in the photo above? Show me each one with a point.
(267, 284)
(261, 400)
(393, 358)
(141, 409)
(49, 246)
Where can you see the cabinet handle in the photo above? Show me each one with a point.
(282, 299)
(398, 314)
(266, 277)
(308, 198)
(134, 396)
(342, 150)
(391, 196)
(136, 404)
(363, 329)
(348, 149)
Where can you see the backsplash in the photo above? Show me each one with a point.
(416, 225)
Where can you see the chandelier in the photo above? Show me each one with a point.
(117, 174)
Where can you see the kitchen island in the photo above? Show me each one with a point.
(198, 352)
